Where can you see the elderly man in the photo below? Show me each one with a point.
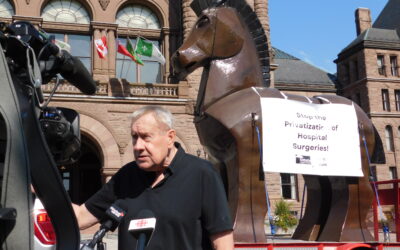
(184, 192)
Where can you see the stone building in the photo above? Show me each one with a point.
(368, 73)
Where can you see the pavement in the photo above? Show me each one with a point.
(111, 239)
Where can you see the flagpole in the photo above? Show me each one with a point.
(137, 64)
(127, 38)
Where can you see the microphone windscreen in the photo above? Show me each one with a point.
(76, 73)
(115, 212)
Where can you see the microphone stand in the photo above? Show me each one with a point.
(97, 239)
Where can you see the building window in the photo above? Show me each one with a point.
(127, 69)
(289, 186)
(137, 16)
(393, 66)
(373, 176)
(66, 11)
(6, 9)
(345, 73)
(385, 100)
(80, 47)
(381, 65)
(389, 138)
(355, 70)
(393, 173)
(397, 98)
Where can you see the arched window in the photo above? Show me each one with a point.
(65, 11)
(6, 9)
(68, 11)
(389, 138)
(137, 17)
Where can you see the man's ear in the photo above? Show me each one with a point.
(171, 134)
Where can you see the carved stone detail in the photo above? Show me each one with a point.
(103, 3)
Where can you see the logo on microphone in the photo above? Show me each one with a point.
(116, 212)
(141, 223)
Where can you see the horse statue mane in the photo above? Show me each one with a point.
(229, 42)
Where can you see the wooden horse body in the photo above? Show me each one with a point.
(227, 108)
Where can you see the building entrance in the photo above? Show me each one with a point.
(83, 178)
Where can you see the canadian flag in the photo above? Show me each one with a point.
(101, 46)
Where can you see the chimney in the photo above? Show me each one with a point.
(363, 20)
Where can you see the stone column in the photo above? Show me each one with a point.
(104, 61)
(189, 17)
(112, 52)
(104, 68)
(96, 59)
(261, 9)
(166, 49)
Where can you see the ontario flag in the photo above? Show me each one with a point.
(124, 51)
(101, 46)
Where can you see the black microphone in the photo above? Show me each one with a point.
(73, 70)
(143, 227)
(114, 216)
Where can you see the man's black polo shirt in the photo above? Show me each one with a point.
(189, 204)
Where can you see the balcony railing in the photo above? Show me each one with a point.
(124, 89)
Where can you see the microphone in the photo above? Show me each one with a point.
(70, 67)
(142, 228)
(73, 70)
(115, 215)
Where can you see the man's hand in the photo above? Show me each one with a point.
(223, 240)
(84, 217)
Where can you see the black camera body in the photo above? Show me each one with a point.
(59, 125)
(61, 130)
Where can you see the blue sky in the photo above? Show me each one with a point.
(315, 31)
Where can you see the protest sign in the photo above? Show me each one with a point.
(306, 138)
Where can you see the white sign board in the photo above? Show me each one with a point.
(305, 138)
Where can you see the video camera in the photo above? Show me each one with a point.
(35, 59)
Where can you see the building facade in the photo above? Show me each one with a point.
(368, 74)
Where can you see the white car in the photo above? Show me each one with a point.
(45, 237)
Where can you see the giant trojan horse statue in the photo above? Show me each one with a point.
(229, 42)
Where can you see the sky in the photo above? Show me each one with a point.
(315, 31)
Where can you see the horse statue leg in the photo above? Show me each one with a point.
(337, 207)
(227, 129)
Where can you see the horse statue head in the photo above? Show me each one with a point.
(229, 42)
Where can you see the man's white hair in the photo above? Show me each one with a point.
(160, 114)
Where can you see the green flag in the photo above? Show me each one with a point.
(143, 47)
(131, 51)
(147, 48)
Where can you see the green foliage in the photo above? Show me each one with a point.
(283, 217)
